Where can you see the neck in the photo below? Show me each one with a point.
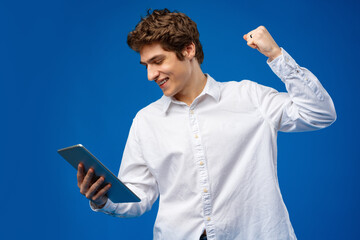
(195, 85)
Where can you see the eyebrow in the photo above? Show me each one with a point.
(152, 59)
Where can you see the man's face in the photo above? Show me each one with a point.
(163, 67)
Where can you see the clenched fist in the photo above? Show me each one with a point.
(261, 40)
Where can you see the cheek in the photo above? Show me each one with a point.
(185, 70)
(167, 68)
(177, 69)
(182, 69)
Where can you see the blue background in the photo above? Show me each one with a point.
(67, 77)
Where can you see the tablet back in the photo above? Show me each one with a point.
(118, 192)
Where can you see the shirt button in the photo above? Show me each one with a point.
(201, 163)
(205, 190)
(192, 111)
(196, 136)
(208, 218)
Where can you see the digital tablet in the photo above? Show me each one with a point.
(118, 192)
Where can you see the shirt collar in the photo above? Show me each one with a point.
(212, 88)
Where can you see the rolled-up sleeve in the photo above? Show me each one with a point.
(306, 106)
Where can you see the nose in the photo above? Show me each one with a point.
(153, 73)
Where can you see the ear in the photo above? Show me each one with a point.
(189, 51)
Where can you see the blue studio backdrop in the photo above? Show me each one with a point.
(68, 77)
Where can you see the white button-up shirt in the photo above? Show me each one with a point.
(213, 163)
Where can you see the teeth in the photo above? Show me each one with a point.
(163, 81)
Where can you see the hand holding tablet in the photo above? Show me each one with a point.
(92, 187)
(96, 182)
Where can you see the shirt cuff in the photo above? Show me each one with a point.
(108, 208)
(284, 65)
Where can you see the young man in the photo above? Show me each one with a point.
(208, 148)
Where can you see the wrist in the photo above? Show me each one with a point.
(275, 53)
(97, 205)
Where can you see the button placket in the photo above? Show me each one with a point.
(204, 178)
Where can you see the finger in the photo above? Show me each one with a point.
(250, 38)
(247, 36)
(251, 41)
(250, 34)
(94, 187)
(80, 174)
(102, 192)
(87, 180)
(252, 44)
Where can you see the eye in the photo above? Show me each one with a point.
(159, 61)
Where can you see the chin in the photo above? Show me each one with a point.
(168, 93)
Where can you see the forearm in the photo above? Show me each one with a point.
(310, 102)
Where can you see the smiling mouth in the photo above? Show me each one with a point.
(162, 82)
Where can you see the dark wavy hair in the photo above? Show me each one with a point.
(173, 30)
